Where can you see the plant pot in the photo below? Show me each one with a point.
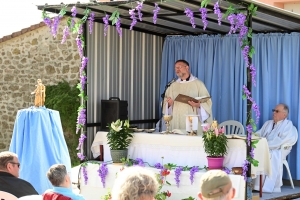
(215, 162)
(117, 155)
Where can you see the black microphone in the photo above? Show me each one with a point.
(172, 81)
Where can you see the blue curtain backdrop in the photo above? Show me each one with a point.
(217, 60)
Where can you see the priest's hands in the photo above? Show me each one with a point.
(170, 101)
(193, 104)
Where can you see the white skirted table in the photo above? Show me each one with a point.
(185, 150)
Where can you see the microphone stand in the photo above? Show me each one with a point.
(163, 97)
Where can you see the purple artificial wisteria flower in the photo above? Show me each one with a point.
(74, 13)
(192, 173)
(81, 140)
(79, 46)
(243, 33)
(241, 18)
(231, 18)
(158, 166)
(218, 12)
(118, 27)
(81, 119)
(47, 21)
(155, 12)
(203, 17)
(252, 152)
(102, 172)
(80, 156)
(105, 20)
(249, 130)
(189, 13)
(85, 175)
(80, 30)
(139, 162)
(139, 9)
(253, 74)
(245, 53)
(177, 172)
(256, 110)
(245, 169)
(91, 21)
(66, 33)
(83, 65)
(55, 24)
(132, 16)
(246, 91)
(83, 80)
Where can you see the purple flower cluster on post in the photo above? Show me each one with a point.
(91, 21)
(83, 65)
(189, 13)
(85, 175)
(192, 173)
(80, 30)
(66, 33)
(249, 130)
(253, 74)
(81, 119)
(177, 172)
(118, 27)
(102, 172)
(245, 169)
(203, 17)
(79, 46)
(231, 18)
(218, 12)
(155, 12)
(139, 8)
(245, 53)
(105, 20)
(132, 16)
(47, 21)
(81, 140)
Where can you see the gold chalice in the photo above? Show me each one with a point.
(192, 133)
(167, 119)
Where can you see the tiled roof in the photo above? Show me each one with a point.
(25, 30)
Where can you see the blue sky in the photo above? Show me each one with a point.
(18, 14)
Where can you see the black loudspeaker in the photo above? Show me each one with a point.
(112, 110)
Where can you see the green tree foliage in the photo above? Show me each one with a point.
(64, 98)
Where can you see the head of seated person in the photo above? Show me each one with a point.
(135, 183)
(216, 185)
(58, 176)
(9, 163)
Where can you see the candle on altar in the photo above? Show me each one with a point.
(214, 124)
(166, 111)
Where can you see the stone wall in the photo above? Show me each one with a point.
(24, 59)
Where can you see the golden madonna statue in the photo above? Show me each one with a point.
(39, 94)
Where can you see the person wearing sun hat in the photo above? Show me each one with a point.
(216, 185)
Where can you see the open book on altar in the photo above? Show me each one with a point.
(184, 99)
(243, 137)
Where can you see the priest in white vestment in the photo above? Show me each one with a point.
(278, 131)
(189, 85)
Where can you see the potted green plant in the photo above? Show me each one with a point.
(215, 145)
(119, 138)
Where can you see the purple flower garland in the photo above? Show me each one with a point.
(189, 13)
(192, 173)
(218, 12)
(133, 17)
(85, 175)
(106, 23)
(178, 171)
(91, 21)
(203, 17)
(139, 8)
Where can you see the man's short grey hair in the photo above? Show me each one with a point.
(5, 158)
(285, 108)
(57, 174)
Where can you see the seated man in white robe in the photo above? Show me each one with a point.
(277, 132)
(189, 85)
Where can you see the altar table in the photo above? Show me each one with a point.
(94, 189)
(185, 150)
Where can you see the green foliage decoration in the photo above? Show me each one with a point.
(64, 98)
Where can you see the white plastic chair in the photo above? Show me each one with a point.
(285, 150)
(7, 196)
(233, 127)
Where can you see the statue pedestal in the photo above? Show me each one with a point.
(39, 142)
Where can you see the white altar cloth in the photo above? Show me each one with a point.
(94, 189)
(185, 150)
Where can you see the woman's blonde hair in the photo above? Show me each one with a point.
(134, 183)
